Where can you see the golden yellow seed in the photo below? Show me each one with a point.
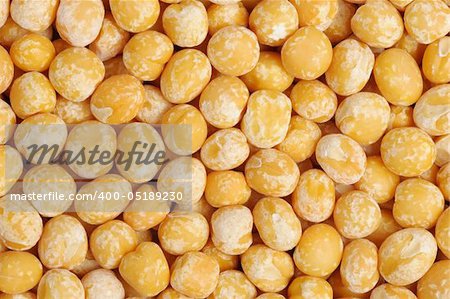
(135, 15)
(234, 284)
(226, 261)
(406, 255)
(387, 290)
(75, 73)
(269, 73)
(277, 224)
(436, 61)
(9, 121)
(34, 16)
(102, 282)
(195, 274)
(223, 101)
(26, 295)
(4, 11)
(63, 243)
(427, 21)
(272, 173)
(146, 269)
(442, 232)
(378, 181)
(33, 52)
(233, 50)
(11, 167)
(408, 151)
(443, 180)
(303, 287)
(20, 272)
(73, 112)
(350, 67)
(307, 53)
(340, 27)
(418, 203)
(155, 105)
(269, 270)
(185, 76)
(60, 283)
(319, 251)
(401, 116)
(378, 24)
(435, 283)
(316, 13)
(387, 227)
(314, 197)
(10, 32)
(266, 121)
(220, 16)
(6, 69)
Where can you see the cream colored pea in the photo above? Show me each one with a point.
(307, 53)
(181, 232)
(76, 72)
(370, 24)
(301, 139)
(406, 255)
(32, 15)
(363, 116)
(186, 175)
(390, 291)
(63, 243)
(73, 112)
(277, 224)
(398, 77)
(359, 266)
(195, 274)
(233, 50)
(442, 232)
(427, 21)
(146, 53)
(39, 130)
(303, 287)
(340, 27)
(111, 39)
(6, 70)
(32, 93)
(314, 197)
(146, 269)
(387, 227)
(350, 67)
(435, 283)
(46, 178)
(418, 203)
(88, 135)
(98, 209)
(226, 261)
(20, 272)
(220, 16)
(225, 149)
(140, 137)
(102, 282)
(135, 15)
(185, 76)
(186, 23)
(443, 180)
(11, 167)
(313, 100)
(143, 215)
(319, 251)
(272, 173)
(316, 13)
(269, 270)
(342, 158)
(378, 181)
(9, 121)
(118, 99)
(432, 112)
(234, 284)
(408, 151)
(4, 11)
(273, 21)
(266, 121)
(269, 73)
(111, 241)
(60, 283)
(436, 61)
(79, 22)
(356, 215)
(20, 224)
(33, 52)
(231, 229)
(155, 105)
(223, 101)
(401, 116)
